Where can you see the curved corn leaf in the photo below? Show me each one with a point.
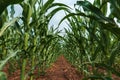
(112, 28)
(7, 25)
(79, 14)
(59, 4)
(87, 6)
(53, 12)
(9, 56)
(46, 6)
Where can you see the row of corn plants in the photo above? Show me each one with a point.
(92, 39)
(32, 43)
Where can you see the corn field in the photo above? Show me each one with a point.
(92, 39)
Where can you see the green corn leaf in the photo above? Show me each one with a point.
(18, 28)
(112, 28)
(27, 12)
(77, 14)
(67, 16)
(46, 6)
(9, 56)
(104, 8)
(89, 7)
(96, 53)
(115, 8)
(6, 25)
(59, 4)
(52, 13)
(115, 4)
(114, 54)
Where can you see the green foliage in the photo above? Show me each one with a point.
(93, 38)
(30, 34)
(9, 56)
(6, 26)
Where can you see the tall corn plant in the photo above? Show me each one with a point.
(31, 35)
(93, 37)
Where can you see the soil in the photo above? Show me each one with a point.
(61, 69)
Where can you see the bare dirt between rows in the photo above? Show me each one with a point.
(61, 69)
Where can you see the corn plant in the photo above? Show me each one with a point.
(93, 38)
(31, 35)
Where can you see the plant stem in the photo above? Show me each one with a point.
(22, 76)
